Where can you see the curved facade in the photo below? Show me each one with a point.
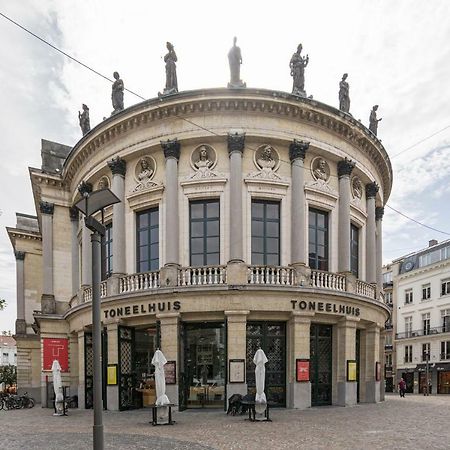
(248, 218)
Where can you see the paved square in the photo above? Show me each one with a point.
(413, 422)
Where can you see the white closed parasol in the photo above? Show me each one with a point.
(260, 360)
(57, 385)
(159, 360)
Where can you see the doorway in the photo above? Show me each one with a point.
(89, 369)
(321, 364)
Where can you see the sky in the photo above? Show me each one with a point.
(397, 55)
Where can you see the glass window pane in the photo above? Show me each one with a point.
(321, 251)
(196, 229)
(154, 251)
(154, 218)
(257, 228)
(212, 209)
(257, 259)
(197, 260)
(213, 259)
(273, 229)
(197, 245)
(273, 260)
(272, 245)
(212, 228)
(212, 245)
(143, 237)
(143, 220)
(257, 244)
(320, 237)
(320, 220)
(154, 265)
(272, 211)
(257, 210)
(154, 235)
(197, 210)
(143, 266)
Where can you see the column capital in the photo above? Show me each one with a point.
(118, 166)
(73, 213)
(171, 148)
(345, 167)
(84, 188)
(379, 212)
(236, 142)
(372, 189)
(46, 208)
(297, 150)
(20, 256)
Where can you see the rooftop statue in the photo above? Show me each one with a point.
(83, 117)
(171, 71)
(235, 60)
(117, 94)
(344, 96)
(373, 121)
(297, 65)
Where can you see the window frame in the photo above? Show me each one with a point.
(107, 252)
(149, 228)
(426, 291)
(426, 348)
(409, 296)
(315, 228)
(354, 250)
(445, 287)
(408, 354)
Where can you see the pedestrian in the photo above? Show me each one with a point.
(402, 387)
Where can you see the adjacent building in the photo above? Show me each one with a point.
(248, 219)
(8, 351)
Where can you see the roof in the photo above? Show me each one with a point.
(7, 341)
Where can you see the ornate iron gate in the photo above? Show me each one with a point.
(321, 364)
(89, 369)
(271, 337)
(126, 374)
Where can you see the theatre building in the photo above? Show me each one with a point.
(247, 218)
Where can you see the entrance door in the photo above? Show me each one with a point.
(321, 364)
(271, 337)
(126, 379)
(409, 380)
(203, 379)
(423, 382)
(89, 369)
(444, 382)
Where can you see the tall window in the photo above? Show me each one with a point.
(408, 353)
(426, 323)
(147, 225)
(265, 233)
(445, 287)
(408, 326)
(445, 350)
(107, 255)
(318, 239)
(408, 296)
(426, 351)
(426, 291)
(445, 314)
(354, 249)
(205, 232)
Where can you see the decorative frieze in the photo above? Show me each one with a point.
(345, 167)
(379, 212)
(46, 208)
(297, 150)
(236, 142)
(371, 190)
(171, 148)
(118, 166)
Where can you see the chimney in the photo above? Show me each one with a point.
(432, 242)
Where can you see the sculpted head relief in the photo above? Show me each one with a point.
(320, 169)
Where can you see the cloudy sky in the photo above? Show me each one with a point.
(397, 55)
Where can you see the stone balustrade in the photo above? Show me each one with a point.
(328, 280)
(272, 275)
(139, 282)
(365, 289)
(202, 276)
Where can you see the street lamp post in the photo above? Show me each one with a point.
(91, 203)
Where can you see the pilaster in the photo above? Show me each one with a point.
(21, 325)
(74, 217)
(112, 392)
(371, 192)
(372, 386)
(48, 304)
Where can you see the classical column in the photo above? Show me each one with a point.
(73, 212)
(372, 350)
(345, 168)
(86, 252)
(171, 149)
(379, 211)
(21, 325)
(371, 192)
(297, 152)
(236, 345)
(236, 144)
(300, 331)
(112, 391)
(48, 304)
(346, 350)
(381, 359)
(118, 168)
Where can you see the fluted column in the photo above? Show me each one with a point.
(73, 212)
(345, 168)
(118, 168)
(297, 152)
(371, 263)
(21, 326)
(86, 253)
(236, 144)
(172, 150)
(379, 212)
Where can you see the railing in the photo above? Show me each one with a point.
(202, 276)
(272, 275)
(139, 282)
(365, 289)
(328, 280)
(423, 332)
(103, 290)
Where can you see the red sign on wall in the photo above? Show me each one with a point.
(56, 348)
(302, 370)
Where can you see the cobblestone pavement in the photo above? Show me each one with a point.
(410, 423)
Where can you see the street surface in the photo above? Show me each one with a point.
(415, 422)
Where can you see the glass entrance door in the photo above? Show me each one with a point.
(204, 365)
(321, 364)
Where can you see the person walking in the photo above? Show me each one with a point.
(402, 387)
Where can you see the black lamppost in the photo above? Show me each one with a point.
(91, 203)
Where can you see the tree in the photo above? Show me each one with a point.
(3, 304)
(8, 375)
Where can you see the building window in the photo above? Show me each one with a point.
(387, 278)
(408, 326)
(445, 350)
(147, 226)
(204, 232)
(408, 353)
(354, 249)
(107, 254)
(426, 351)
(388, 360)
(445, 314)
(426, 292)
(426, 323)
(408, 296)
(265, 233)
(388, 298)
(318, 239)
(445, 287)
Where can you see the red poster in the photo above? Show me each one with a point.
(302, 369)
(56, 348)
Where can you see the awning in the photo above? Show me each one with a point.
(433, 366)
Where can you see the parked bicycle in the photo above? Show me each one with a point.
(13, 401)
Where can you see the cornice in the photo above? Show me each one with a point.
(222, 100)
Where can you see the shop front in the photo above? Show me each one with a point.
(443, 382)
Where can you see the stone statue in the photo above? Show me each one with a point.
(203, 161)
(297, 65)
(265, 159)
(171, 71)
(320, 172)
(373, 121)
(344, 96)
(146, 171)
(235, 61)
(83, 117)
(117, 94)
